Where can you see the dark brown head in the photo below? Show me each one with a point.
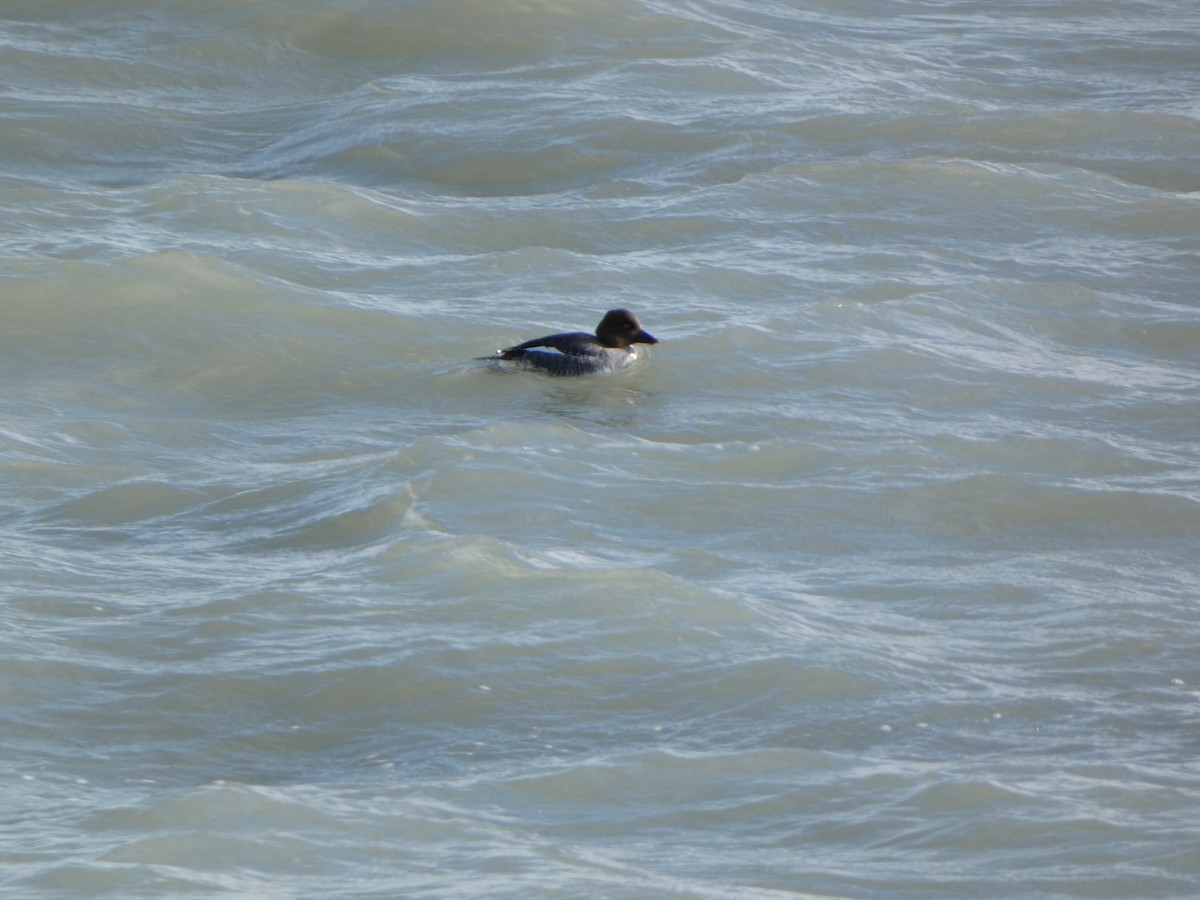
(621, 328)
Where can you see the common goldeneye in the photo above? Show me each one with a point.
(580, 353)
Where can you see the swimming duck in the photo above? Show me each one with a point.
(579, 353)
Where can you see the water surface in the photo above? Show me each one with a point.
(877, 578)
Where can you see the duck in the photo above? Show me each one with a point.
(610, 349)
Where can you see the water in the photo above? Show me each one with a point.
(878, 578)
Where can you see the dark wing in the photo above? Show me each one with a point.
(575, 343)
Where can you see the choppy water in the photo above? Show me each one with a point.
(877, 579)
